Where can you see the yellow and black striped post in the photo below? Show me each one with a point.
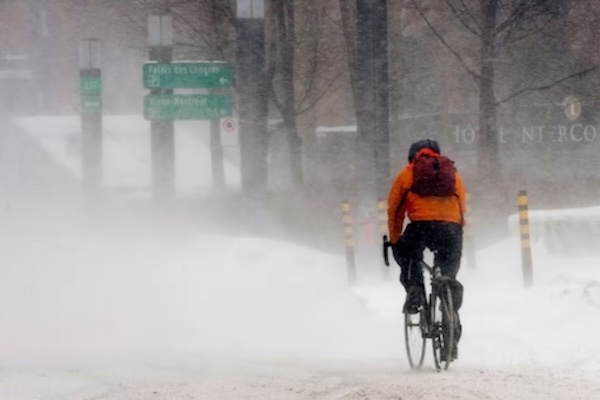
(469, 239)
(383, 228)
(348, 241)
(525, 238)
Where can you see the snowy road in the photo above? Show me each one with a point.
(122, 305)
(135, 314)
(296, 380)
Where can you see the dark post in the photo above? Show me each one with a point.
(90, 89)
(160, 38)
(40, 52)
(252, 90)
(216, 150)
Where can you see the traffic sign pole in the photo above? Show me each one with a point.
(162, 107)
(216, 153)
(90, 88)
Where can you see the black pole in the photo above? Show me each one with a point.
(40, 53)
(162, 139)
(252, 90)
(216, 155)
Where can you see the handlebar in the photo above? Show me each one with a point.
(386, 245)
(426, 267)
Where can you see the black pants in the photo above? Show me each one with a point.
(444, 239)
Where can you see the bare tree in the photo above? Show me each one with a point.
(283, 41)
(300, 67)
(497, 25)
(348, 16)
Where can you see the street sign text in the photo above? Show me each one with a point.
(187, 75)
(187, 107)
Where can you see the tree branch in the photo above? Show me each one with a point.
(548, 86)
(471, 72)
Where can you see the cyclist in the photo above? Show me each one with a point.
(436, 223)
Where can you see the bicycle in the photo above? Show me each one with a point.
(435, 320)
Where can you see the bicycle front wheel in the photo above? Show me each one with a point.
(442, 316)
(414, 337)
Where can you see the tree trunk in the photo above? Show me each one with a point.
(348, 13)
(253, 92)
(283, 13)
(397, 70)
(489, 197)
(488, 159)
(372, 103)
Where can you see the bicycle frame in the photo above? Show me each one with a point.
(440, 289)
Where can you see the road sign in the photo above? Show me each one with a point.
(91, 104)
(187, 75)
(90, 85)
(187, 107)
(229, 125)
(229, 131)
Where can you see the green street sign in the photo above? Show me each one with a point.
(90, 85)
(187, 75)
(187, 107)
(91, 104)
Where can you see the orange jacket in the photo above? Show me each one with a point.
(402, 201)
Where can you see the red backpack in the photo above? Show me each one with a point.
(433, 175)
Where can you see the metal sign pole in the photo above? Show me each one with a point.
(90, 88)
(216, 150)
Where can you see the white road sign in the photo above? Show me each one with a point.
(229, 131)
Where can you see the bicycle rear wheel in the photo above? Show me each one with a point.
(442, 316)
(414, 337)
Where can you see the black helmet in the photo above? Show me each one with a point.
(422, 144)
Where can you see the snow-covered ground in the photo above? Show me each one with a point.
(126, 150)
(132, 305)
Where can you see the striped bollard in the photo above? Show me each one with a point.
(526, 261)
(348, 241)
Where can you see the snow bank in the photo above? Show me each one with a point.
(574, 232)
(72, 293)
(127, 151)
